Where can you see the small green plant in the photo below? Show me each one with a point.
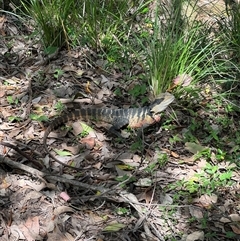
(174, 139)
(58, 73)
(230, 234)
(14, 118)
(162, 159)
(118, 92)
(137, 145)
(204, 182)
(86, 130)
(11, 100)
(210, 235)
(59, 107)
(125, 179)
(138, 90)
(122, 211)
(151, 167)
(37, 117)
(208, 180)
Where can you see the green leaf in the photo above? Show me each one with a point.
(225, 176)
(114, 227)
(194, 148)
(14, 118)
(63, 153)
(10, 99)
(37, 117)
(86, 128)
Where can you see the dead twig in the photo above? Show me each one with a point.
(36, 173)
(39, 165)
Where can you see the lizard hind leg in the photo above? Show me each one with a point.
(118, 123)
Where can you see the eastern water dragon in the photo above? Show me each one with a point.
(133, 117)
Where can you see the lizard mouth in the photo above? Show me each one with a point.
(161, 103)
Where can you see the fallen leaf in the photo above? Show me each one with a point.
(73, 149)
(114, 227)
(29, 133)
(166, 199)
(31, 229)
(206, 201)
(196, 212)
(143, 182)
(33, 196)
(63, 153)
(174, 154)
(89, 141)
(32, 223)
(194, 148)
(234, 217)
(98, 165)
(16, 232)
(62, 209)
(235, 228)
(198, 235)
(121, 172)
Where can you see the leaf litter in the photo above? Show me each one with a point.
(35, 208)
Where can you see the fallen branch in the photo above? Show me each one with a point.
(36, 173)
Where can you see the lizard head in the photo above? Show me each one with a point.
(161, 102)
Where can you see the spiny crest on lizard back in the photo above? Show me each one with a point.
(161, 102)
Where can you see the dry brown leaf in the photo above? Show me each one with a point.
(29, 133)
(225, 220)
(234, 217)
(235, 228)
(206, 201)
(202, 163)
(56, 235)
(32, 223)
(62, 209)
(98, 165)
(183, 80)
(33, 196)
(50, 225)
(196, 212)
(105, 152)
(149, 196)
(2, 92)
(17, 232)
(36, 186)
(174, 154)
(73, 149)
(17, 133)
(89, 142)
(2, 21)
(189, 159)
(69, 237)
(198, 235)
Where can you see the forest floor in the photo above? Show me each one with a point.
(155, 187)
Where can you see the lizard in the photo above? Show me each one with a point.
(119, 118)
